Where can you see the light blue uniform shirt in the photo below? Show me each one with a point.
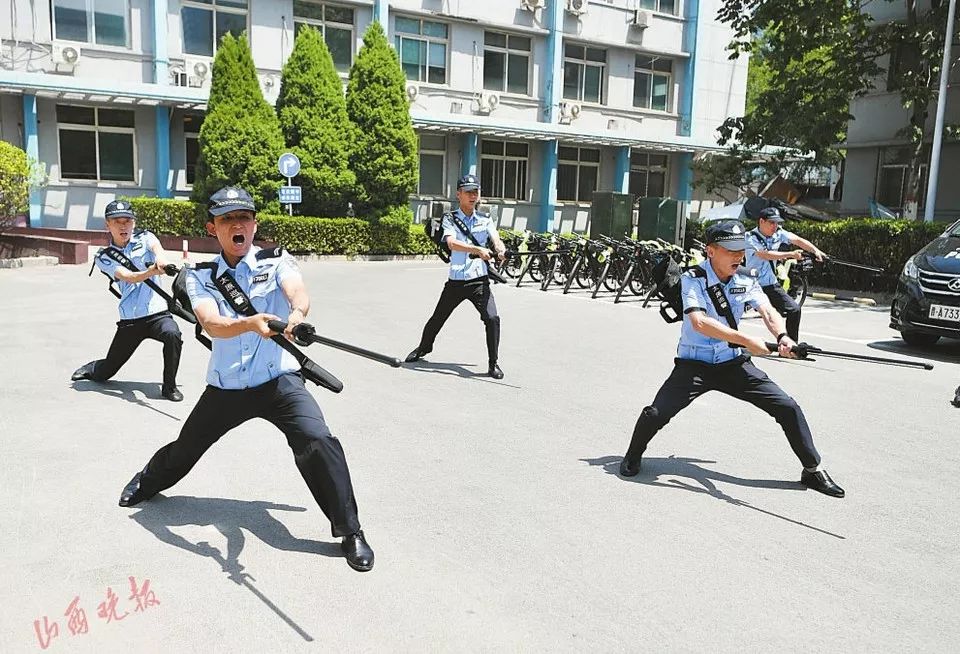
(740, 289)
(136, 300)
(757, 242)
(462, 267)
(249, 359)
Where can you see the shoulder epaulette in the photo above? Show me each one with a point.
(695, 271)
(206, 265)
(137, 231)
(269, 253)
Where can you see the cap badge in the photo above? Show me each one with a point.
(232, 194)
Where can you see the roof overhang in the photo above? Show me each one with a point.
(81, 89)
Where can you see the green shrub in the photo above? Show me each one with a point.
(14, 182)
(302, 234)
(390, 232)
(172, 217)
(418, 242)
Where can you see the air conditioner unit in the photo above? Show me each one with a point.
(64, 56)
(577, 7)
(197, 72)
(413, 91)
(487, 102)
(532, 5)
(641, 19)
(569, 111)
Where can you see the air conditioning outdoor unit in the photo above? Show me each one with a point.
(569, 111)
(64, 56)
(197, 72)
(532, 5)
(487, 102)
(577, 7)
(641, 19)
(413, 91)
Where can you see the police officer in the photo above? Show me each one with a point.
(468, 278)
(251, 376)
(143, 313)
(763, 250)
(710, 356)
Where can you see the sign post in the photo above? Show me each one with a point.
(289, 165)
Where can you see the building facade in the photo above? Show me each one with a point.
(546, 100)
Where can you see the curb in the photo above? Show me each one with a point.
(364, 257)
(29, 262)
(867, 301)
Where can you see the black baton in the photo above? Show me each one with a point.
(305, 334)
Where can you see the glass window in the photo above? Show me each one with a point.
(335, 25)
(665, 6)
(503, 169)
(191, 137)
(648, 174)
(422, 46)
(506, 63)
(91, 21)
(893, 177)
(96, 144)
(205, 22)
(583, 73)
(433, 155)
(652, 82)
(578, 174)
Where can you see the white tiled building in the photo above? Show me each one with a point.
(546, 100)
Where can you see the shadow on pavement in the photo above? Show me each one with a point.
(125, 391)
(945, 351)
(704, 477)
(455, 370)
(230, 517)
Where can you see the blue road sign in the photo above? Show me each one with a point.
(288, 164)
(290, 195)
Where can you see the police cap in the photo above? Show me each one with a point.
(119, 209)
(230, 199)
(772, 214)
(468, 183)
(728, 234)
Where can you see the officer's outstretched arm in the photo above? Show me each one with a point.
(217, 326)
(296, 293)
(803, 243)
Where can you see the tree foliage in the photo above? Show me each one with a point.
(313, 116)
(240, 140)
(14, 182)
(384, 155)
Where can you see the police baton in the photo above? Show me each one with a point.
(305, 334)
(803, 350)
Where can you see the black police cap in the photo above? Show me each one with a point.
(119, 209)
(230, 198)
(468, 183)
(728, 234)
(772, 214)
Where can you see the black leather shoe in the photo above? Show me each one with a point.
(416, 355)
(495, 372)
(83, 372)
(358, 553)
(132, 493)
(629, 467)
(172, 394)
(956, 400)
(820, 481)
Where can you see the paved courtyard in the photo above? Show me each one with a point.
(504, 528)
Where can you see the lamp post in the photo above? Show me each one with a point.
(941, 111)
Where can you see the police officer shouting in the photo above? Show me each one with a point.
(143, 313)
(251, 376)
(710, 356)
(763, 250)
(468, 278)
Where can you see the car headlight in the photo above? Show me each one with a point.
(910, 269)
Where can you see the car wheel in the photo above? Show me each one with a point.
(919, 338)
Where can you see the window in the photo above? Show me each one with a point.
(206, 21)
(433, 156)
(506, 63)
(583, 73)
(336, 26)
(577, 174)
(664, 6)
(648, 174)
(191, 147)
(893, 176)
(103, 22)
(652, 82)
(96, 143)
(503, 169)
(422, 45)
(903, 59)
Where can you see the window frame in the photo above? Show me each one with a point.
(647, 168)
(213, 7)
(507, 51)
(488, 190)
(924, 169)
(190, 134)
(97, 129)
(398, 37)
(91, 39)
(657, 9)
(443, 165)
(583, 63)
(579, 163)
(321, 24)
(652, 73)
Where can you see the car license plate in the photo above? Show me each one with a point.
(941, 312)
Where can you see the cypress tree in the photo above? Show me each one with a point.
(313, 116)
(240, 139)
(384, 156)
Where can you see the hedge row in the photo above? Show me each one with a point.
(391, 233)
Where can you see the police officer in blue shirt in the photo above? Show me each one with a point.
(143, 313)
(251, 376)
(764, 250)
(468, 278)
(710, 356)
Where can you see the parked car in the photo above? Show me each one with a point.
(926, 306)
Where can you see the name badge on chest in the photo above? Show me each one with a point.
(737, 290)
(262, 277)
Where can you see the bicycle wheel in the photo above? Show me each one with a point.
(585, 274)
(561, 270)
(798, 288)
(537, 267)
(512, 266)
(614, 276)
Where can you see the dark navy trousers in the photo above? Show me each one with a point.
(130, 334)
(478, 292)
